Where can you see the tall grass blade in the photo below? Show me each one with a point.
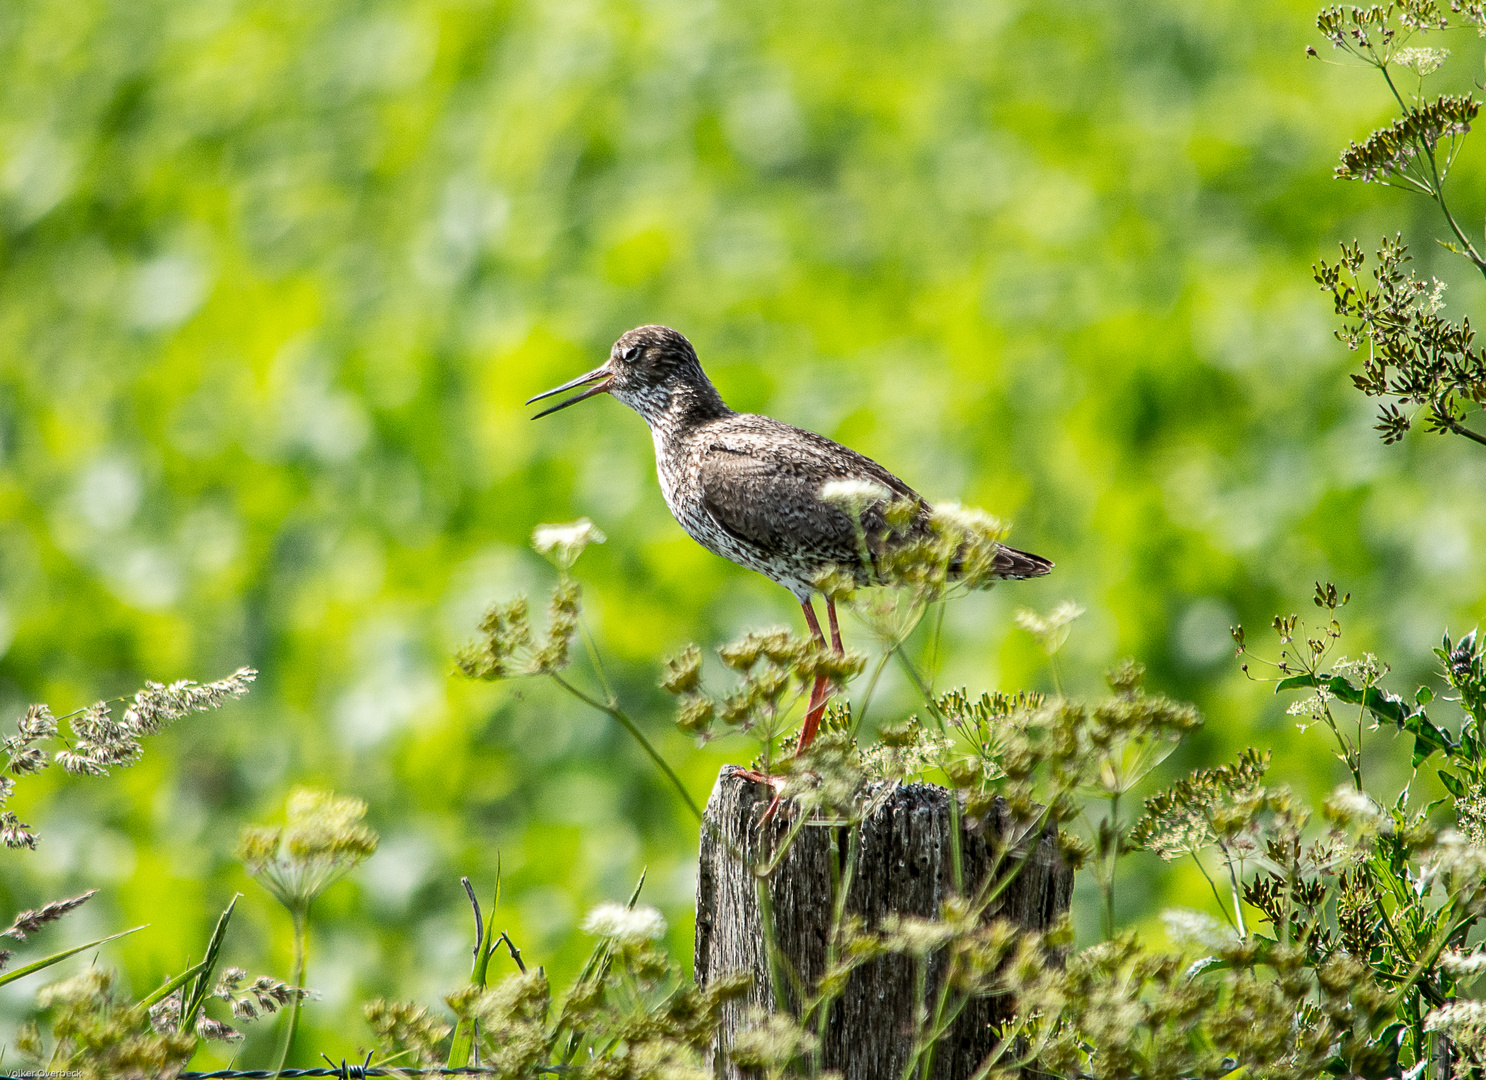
(55, 958)
(171, 987)
(196, 996)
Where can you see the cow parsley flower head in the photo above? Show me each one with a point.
(562, 544)
(626, 925)
(1185, 926)
(1463, 965)
(853, 496)
(1051, 630)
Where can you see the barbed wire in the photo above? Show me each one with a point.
(344, 1071)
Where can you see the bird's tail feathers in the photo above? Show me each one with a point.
(1015, 565)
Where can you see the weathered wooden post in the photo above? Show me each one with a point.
(904, 866)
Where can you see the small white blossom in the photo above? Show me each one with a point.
(625, 924)
(1185, 926)
(1421, 61)
(853, 496)
(564, 543)
(967, 520)
(1454, 856)
(1463, 965)
(1463, 1021)
(1348, 806)
(1050, 629)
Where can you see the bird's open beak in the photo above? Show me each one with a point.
(599, 387)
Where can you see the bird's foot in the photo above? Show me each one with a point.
(776, 783)
(756, 777)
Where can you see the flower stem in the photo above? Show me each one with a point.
(301, 919)
(629, 725)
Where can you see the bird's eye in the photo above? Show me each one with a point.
(630, 353)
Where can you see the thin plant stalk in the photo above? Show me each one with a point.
(612, 709)
(301, 919)
(861, 716)
(1111, 864)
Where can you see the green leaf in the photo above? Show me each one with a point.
(1423, 696)
(1452, 783)
(55, 958)
(1383, 705)
(171, 987)
(196, 997)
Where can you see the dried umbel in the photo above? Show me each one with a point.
(101, 1037)
(408, 1031)
(774, 668)
(1412, 354)
(323, 840)
(1206, 807)
(509, 648)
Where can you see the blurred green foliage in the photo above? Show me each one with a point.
(276, 277)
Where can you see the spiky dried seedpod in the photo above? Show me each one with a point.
(1386, 155)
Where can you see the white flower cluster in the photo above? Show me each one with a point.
(564, 543)
(967, 520)
(627, 925)
(1421, 61)
(1313, 707)
(1348, 806)
(854, 495)
(1185, 926)
(1050, 629)
(1455, 857)
(1463, 1021)
(1463, 965)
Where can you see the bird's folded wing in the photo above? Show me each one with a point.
(771, 499)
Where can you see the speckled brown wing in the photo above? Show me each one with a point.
(765, 491)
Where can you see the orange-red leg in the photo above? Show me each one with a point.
(818, 695)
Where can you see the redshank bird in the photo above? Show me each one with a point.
(748, 487)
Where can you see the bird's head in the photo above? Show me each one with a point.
(650, 369)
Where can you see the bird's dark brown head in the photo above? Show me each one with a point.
(652, 369)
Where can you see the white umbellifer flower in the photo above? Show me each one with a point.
(966, 519)
(1050, 629)
(564, 543)
(625, 924)
(1463, 1021)
(1463, 965)
(1421, 61)
(1348, 805)
(853, 496)
(1183, 925)
(1455, 856)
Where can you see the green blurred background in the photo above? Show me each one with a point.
(275, 278)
